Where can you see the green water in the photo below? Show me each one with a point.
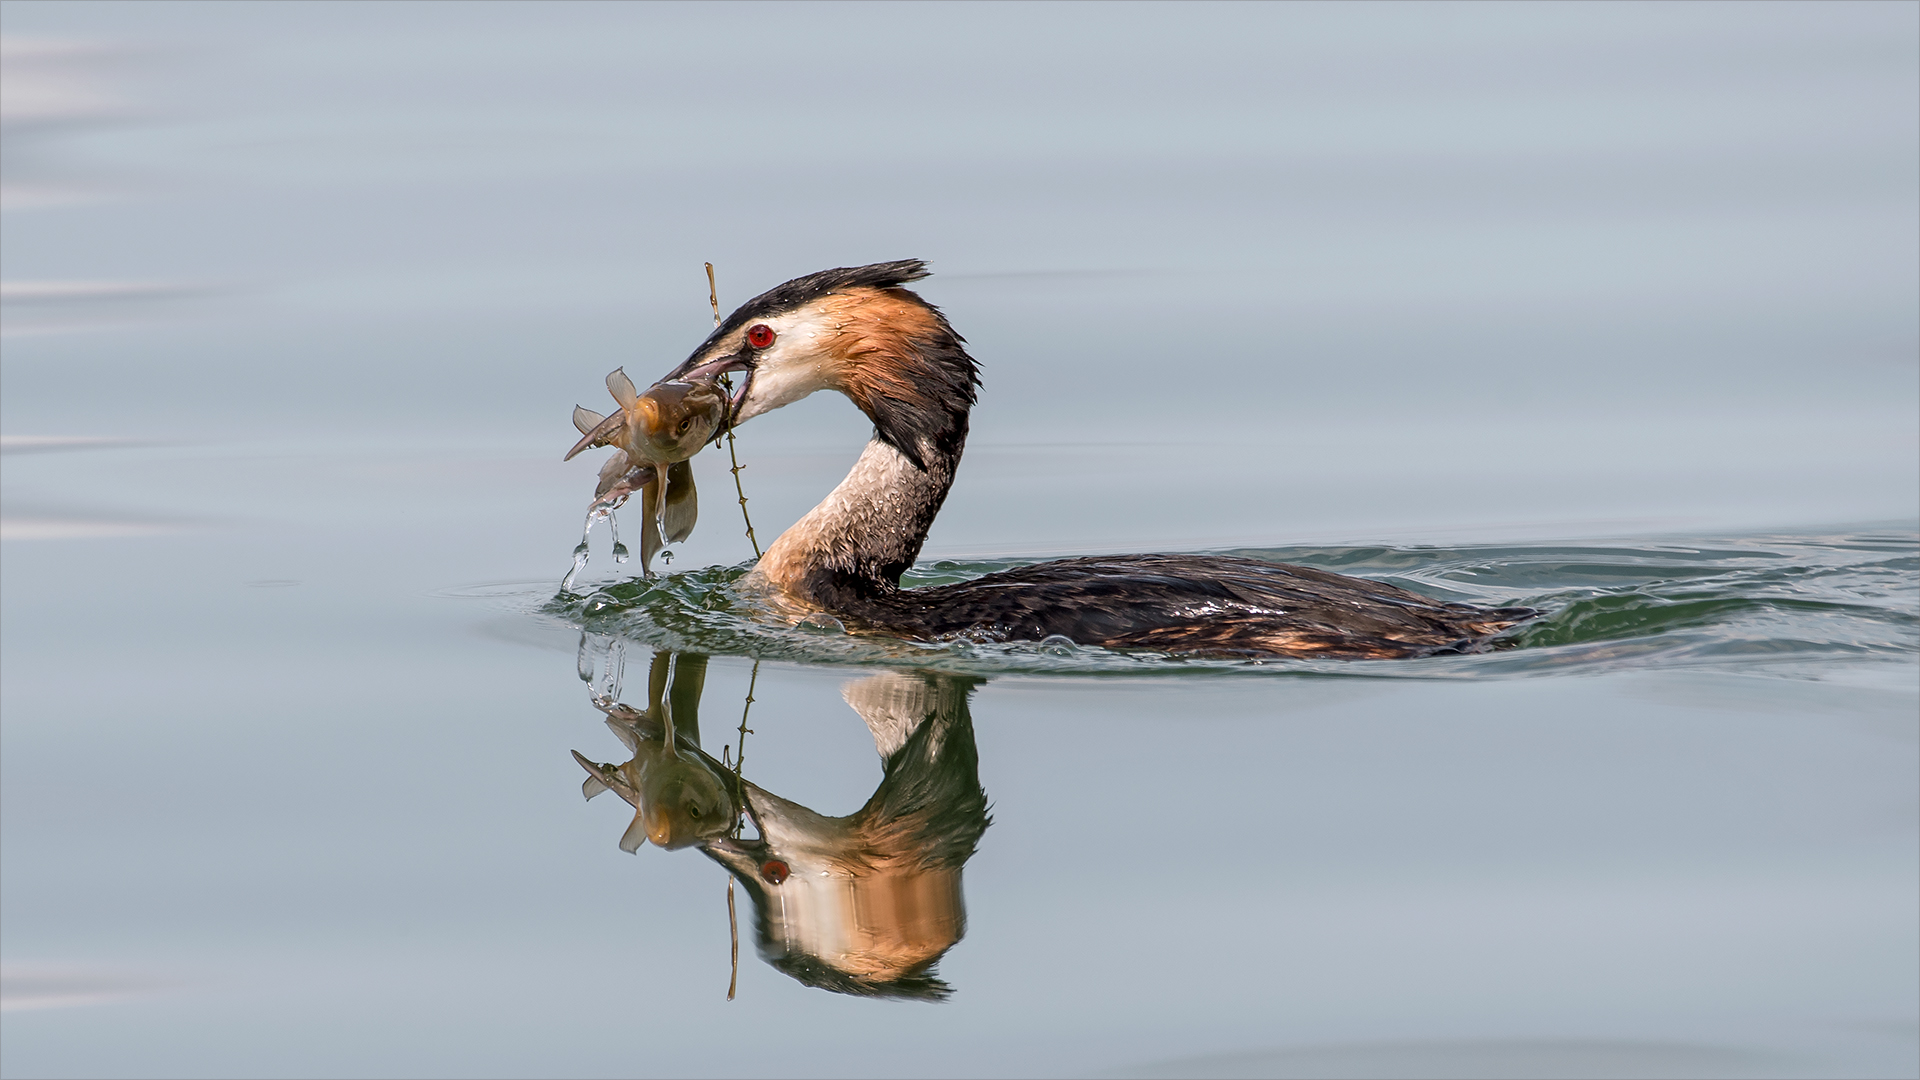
(1776, 605)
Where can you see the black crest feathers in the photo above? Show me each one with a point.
(805, 290)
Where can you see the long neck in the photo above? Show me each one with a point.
(867, 532)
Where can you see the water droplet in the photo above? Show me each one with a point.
(1058, 645)
(620, 552)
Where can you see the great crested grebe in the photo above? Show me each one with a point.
(855, 330)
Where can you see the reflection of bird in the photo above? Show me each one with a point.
(868, 903)
(863, 904)
(857, 331)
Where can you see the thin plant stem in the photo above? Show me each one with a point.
(713, 298)
(738, 490)
(739, 759)
(733, 934)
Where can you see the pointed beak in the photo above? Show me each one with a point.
(740, 856)
(713, 369)
(600, 435)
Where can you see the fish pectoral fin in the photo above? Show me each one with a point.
(621, 388)
(635, 837)
(594, 785)
(683, 503)
(586, 419)
(612, 471)
(628, 732)
(616, 486)
(599, 435)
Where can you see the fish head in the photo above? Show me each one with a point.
(674, 419)
(678, 799)
(683, 803)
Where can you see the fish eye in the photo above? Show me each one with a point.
(693, 810)
(684, 425)
(760, 335)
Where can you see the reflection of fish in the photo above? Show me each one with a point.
(653, 435)
(680, 795)
(868, 903)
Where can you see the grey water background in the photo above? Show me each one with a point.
(296, 301)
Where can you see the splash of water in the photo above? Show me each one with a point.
(613, 669)
(598, 513)
(601, 663)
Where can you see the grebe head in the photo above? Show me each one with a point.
(854, 330)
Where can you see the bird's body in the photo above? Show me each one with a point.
(857, 331)
(1202, 605)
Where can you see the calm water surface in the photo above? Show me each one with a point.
(1606, 311)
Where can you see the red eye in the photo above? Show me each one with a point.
(760, 335)
(773, 870)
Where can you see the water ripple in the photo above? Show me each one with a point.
(1788, 605)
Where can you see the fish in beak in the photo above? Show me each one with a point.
(653, 435)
